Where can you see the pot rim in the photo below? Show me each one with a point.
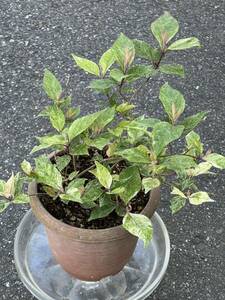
(112, 233)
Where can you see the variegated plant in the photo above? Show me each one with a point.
(142, 145)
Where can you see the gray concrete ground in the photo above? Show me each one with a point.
(35, 34)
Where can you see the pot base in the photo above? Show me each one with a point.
(46, 280)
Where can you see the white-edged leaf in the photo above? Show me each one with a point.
(216, 160)
(103, 175)
(124, 51)
(202, 168)
(172, 101)
(139, 225)
(172, 69)
(57, 117)
(26, 167)
(184, 44)
(81, 124)
(164, 29)
(150, 183)
(87, 65)
(199, 198)
(179, 162)
(177, 203)
(62, 161)
(191, 122)
(21, 199)
(52, 86)
(194, 144)
(130, 180)
(164, 133)
(47, 173)
(178, 192)
(106, 60)
(139, 154)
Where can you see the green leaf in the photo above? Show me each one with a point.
(194, 144)
(102, 212)
(117, 75)
(150, 183)
(178, 192)
(3, 205)
(183, 44)
(26, 167)
(92, 192)
(130, 179)
(143, 50)
(9, 188)
(164, 29)
(62, 162)
(139, 225)
(178, 162)
(86, 65)
(104, 118)
(47, 173)
(103, 175)
(216, 160)
(140, 71)
(119, 129)
(138, 154)
(49, 141)
(172, 101)
(52, 86)
(117, 191)
(81, 149)
(199, 198)
(73, 175)
(174, 69)
(19, 182)
(21, 199)
(145, 122)
(164, 133)
(177, 203)
(72, 194)
(202, 168)
(124, 51)
(106, 61)
(57, 117)
(191, 122)
(81, 124)
(138, 127)
(124, 107)
(100, 141)
(100, 85)
(76, 183)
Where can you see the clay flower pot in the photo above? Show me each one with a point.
(88, 254)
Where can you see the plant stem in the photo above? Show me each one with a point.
(93, 166)
(74, 162)
(156, 66)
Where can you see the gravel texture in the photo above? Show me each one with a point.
(35, 34)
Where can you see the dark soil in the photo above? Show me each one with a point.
(74, 214)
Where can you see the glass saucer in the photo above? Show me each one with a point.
(46, 280)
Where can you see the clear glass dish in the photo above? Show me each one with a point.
(46, 280)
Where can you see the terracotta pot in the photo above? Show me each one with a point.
(89, 254)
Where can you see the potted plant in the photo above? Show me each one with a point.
(96, 192)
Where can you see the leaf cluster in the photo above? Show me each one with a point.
(126, 154)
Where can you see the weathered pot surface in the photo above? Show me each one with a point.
(89, 254)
